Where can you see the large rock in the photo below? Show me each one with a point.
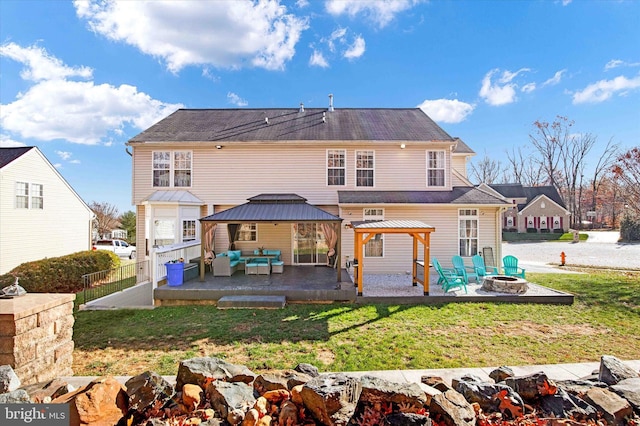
(19, 396)
(612, 407)
(279, 379)
(377, 390)
(331, 398)
(9, 380)
(198, 371)
(565, 405)
(408, 419)
(308, 369)
(148, 390)
(489, 396)
(629, 389)
(45, 392)
(579, 387)
(435, 382)
(228, 396)
(532, 386)
(501, 373)
(612, 370)
(452, 408)
(102, 402)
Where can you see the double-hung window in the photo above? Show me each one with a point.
(188, 230)
(375, 246)
(468, 232)
(435, 168)
(172, 168)
(37, 196)
(22, 195)
(364, 168)
(336, 167)
(29, 195)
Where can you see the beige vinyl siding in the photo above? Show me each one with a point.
(398, 248)
(62, 227)
(236, 172)
(459, 163)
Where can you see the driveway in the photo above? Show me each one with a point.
(601, 249)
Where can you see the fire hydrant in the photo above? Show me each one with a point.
(563, 257)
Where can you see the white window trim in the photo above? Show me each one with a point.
(29, 195)
(255, 224)
(374, 217)
(172, 168)
(444, 168)
(356, 168)
(475, 217)
(195, 231)
(326, 166)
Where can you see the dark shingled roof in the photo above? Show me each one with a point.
(273, 208)
(249, 125)
(7, 155)
(516, 190)
(459, 195)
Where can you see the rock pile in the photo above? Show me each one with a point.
(210, 391)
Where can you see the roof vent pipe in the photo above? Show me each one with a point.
(331, 103)
(301, 107)
(324, 117)
(266, 120)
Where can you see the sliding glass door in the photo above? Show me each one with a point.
(309, 244)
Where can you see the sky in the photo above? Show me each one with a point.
(78, 79)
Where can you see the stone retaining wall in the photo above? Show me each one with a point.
(36, 332)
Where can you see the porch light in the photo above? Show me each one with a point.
(402, 146)
(218, 146)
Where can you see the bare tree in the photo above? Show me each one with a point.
(603, 167)
(106, 217)
(627, 172)
(487, 170)
(525, 169)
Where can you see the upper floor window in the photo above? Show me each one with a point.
(375, 246)
(468, 232)
(29, 196)
(435, 168)
(188, 230)
(336, 170)
(364, 168)
(172, 168)
(247, 232)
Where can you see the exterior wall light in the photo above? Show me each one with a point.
(402, 146)
(218, 146)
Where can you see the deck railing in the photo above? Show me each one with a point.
(103, 283)
(187, 251)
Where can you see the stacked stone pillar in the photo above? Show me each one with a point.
(36, 332)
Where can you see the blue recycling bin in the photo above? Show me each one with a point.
(175, 273)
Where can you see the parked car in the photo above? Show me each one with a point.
(119, 247)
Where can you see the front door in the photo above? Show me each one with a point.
(309, 244)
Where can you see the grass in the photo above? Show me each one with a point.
(605, 319)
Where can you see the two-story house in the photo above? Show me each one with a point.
(40, 213)
(354, 164)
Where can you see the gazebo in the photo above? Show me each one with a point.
(421, 233)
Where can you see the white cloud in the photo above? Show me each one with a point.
(566, 2)
(234, 99)
(502, 91)
(317, 59)
(7, 142)
(379, 11)
(302, 3)
(40, 65)
(356, 49)
(528, 88)
(229, 34)
(78, 111)
(206, 73)
(615, 63)
(602, 90)
(65, 155)
(555, 79)
(447, 110)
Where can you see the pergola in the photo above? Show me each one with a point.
(421, 233)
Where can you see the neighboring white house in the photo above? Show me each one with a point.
(40, 213)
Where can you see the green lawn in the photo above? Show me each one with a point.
(343, 337)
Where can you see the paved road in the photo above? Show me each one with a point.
(601, 249)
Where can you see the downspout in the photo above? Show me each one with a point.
(499, 236)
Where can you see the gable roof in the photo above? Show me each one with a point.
(273, 208)
(459, 195)
(250, 125)
(516, 190)
(7, 155)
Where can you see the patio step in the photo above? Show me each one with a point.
(252, 302)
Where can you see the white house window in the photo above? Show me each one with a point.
(510, 221)
(172, 168)
(364, 168)
(556, 222)
(336, 167)
(164, 232)
(37, 196)
(543, 222)
(531, 223)
(188, 230)
(247, 232)
(375, 246)
(22, 195)
(435, 168)
(468, 231)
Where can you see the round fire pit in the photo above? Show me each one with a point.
(505, 284)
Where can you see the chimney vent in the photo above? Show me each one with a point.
(331, 103)
(301, 107)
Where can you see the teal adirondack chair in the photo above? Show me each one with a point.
(466, 271)
(481, 269)
(510, 266)
(448, 277)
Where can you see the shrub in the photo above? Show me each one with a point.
(558, 231)
(532, 231)
(60, 274)
(509, 230)
(630, 228)
(544, 230)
